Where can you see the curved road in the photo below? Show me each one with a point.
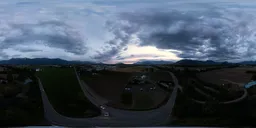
(227, 102)
(156, 117)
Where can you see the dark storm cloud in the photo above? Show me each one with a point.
(107, 54)
(16, 56)
(125, 48)
(177, 30)
(28, 50)
(26, 3)
(213, 33)
(136, 56)
(3, 55)
(122, 36)
(52, 33)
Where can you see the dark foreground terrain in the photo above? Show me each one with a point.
(201, 101)
(65, 94)
(212, 110)
(20, 102)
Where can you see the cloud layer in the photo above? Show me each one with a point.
(104, 30)
(214, 33)
(51, 33)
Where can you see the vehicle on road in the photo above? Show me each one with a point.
(106, 114)
(102, 107)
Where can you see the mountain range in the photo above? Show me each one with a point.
(57, 61)
(210, 62)
(198, 62)
(42, 61)
(153, 62)
(192, 62)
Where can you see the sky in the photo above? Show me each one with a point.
(127, 31)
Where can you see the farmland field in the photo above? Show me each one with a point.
(131, 69)
(148, 99)
(65, 94)
(160, 76)
(108, 84)
(143, 100)
(237, 75)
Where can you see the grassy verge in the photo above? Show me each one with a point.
(65, 93)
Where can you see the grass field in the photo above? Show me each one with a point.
(131, 69)
(237, 75)
(160, 76)
(108, 84)
(142, 100)
(65, 94)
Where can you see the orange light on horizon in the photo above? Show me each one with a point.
(136, 53)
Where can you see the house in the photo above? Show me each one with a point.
(143, 76)
(38, 70)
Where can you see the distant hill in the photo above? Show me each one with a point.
(57, 61)
(198, 62)
(42, 61)
(248, 62)
(152, 62)
(120, 63)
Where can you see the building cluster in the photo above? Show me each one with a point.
(139, 79)
(12, 85)
(91, 68)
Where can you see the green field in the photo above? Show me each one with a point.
(108, 84)
(65, 93)
(142, 100)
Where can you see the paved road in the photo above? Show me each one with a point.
(228, 102)
(156, 117)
